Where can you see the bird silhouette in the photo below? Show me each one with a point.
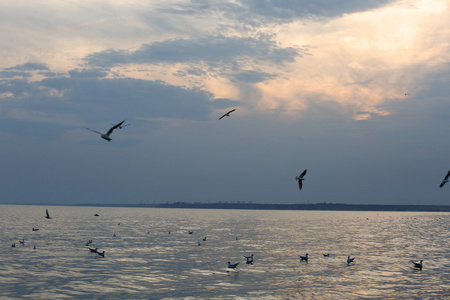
(105, 136)
(300, 179)
(445, 180)
(227, 114)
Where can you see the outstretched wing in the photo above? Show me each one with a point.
(114, 127)
(442, 184)
(300, 185)
(94, 131)
(46, 212)
(448, 175)
(303, 174)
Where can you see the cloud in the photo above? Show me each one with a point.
(259, 12)
(215, 50)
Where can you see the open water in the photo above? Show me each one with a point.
(144, 261)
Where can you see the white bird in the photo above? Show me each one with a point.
(417, 265)
(304, 258)
(300, 178)
(227, 114)
(106, 135)
(350, 260)
(47, 214)
(445, 180)
(232, 266)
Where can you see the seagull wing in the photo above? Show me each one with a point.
(114, 127)
(442, 184)
(46, 212)
(448, 175)
(94, 131)
(303, 174)
(300, 185)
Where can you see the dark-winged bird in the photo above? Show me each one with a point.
(227, 114)
(304, 258)
(106, 135)
(47, 214)
(300, 178)
(417, 265)
(445, 180)
(350, 260)
(232, 266)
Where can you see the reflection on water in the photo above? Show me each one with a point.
(144, 261)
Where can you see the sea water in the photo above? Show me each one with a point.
(144, 261)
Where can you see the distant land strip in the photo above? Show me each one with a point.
(249, 205)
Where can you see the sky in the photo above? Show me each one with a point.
(355, 91)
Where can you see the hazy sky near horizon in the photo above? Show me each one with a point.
(355, 91)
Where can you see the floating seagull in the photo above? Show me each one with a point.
(22, 242)
(47, 214)
(106, 135)
(204, 239)
(445, 180)
(114, 235)
(199, 243)
(326, 255)
(249, 259)
(34, 247)
(304, 258)
(35, 229)
(191, 232)
(102, 254)
(13, 245)
(168, 232)
(96, 215)
(93, 250)
(227, 114)
(232, 266)
(300, 178)
(350, 260)
(89, 242)
(417, 265)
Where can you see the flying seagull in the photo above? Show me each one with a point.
(227, 114)
(417, 265)
(47, 214)
(300, 178)
(445, 180)
(106, 135)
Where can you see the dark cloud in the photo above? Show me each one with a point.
(86, 94)
(214, 50)
(29, 66)
(259, 12)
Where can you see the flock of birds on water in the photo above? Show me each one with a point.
(231, 266)
(299, 178)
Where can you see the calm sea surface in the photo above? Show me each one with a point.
(144, 261)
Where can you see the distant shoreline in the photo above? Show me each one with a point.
(257, 206)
